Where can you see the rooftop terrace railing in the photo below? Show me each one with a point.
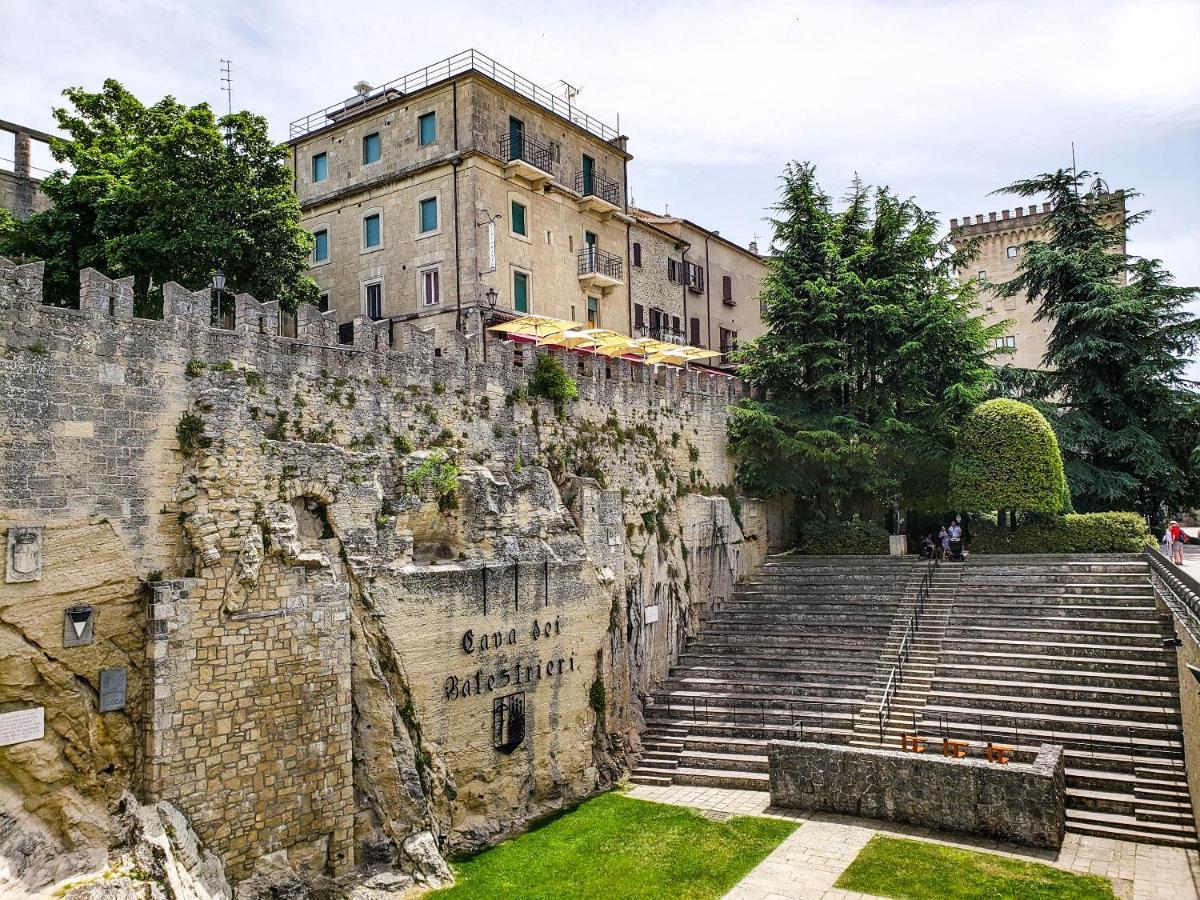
(444, 70)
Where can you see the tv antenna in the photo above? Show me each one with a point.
(227, 84)
(570, 91)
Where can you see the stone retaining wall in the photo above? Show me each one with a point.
(1021, 803)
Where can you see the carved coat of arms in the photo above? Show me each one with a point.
(24, 553)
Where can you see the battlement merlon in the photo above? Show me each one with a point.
(401, 351)
(997, 223)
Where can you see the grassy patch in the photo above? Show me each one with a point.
(614, 846)
(894, 867)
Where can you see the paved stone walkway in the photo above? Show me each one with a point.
(809, 861)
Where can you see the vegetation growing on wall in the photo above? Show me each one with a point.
(1007, 458)
(440, 474)
(873, 357)
(550, 380)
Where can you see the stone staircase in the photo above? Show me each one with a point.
(916, 676)
(791, 655)
(1068, 650)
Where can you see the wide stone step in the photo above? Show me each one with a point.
(745, 781)
(740, 700)
(877, 631)
(1107, 710)
(803, 617)
(955, 672)
(698, 654)
(1012, 648)
(1125, 662)
(960, 623)
(732, 762)
(829, 728)
(755, 673)
(745, 746)
(1100, 801)
(1133, 635)
(1013, 726)
(639, 777)
(1011, 609)
(1088, 694)
(739, 643)
(1129, 828)
(722, 687)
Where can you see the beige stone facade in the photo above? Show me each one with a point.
(468, 201)
(713, 282)
(1001, 241)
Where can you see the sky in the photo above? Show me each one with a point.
(942, 101)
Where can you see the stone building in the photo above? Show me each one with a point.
(19, 192)
(1002, 238)
(459, 179)
(682, 272)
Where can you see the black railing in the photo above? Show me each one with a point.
(594, 261)
(593, 184)
(515, 147)
(896, 676)
(664, 333)
(459, 64)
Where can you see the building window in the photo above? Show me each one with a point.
(1009, 341)
(427, 129)
(521, 292)
(518, 219)
(675, 325)
(981, 277)
(372, 148)
(728, 340)
(673, 271)
(1012, 252)
(371, 233)
(429, 214)
(695, 277)
(694, 322)
(431, 289)
(323, 302)
(727, 289)
(593, 318)
(639, 315)
(320, 167)
(637, 255)
(321, 245)
(373, 300)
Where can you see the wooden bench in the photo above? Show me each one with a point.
(954, 749)
(911, 743)
(999, 753)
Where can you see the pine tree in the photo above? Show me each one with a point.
(1117, 351)
(873, 353)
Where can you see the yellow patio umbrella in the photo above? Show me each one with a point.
(534, 326)
(571, 338)
(680, 356)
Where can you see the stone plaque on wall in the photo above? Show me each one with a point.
(22, 725)
(112, 690)
(78, 626)
(24, 558)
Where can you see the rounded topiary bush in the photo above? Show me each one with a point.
(1007, 457)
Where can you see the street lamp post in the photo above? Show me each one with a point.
(490, 296)
(218, 286)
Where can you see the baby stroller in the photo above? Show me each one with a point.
(956, 550)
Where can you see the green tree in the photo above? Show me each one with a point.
(872, 357)
(167, 193)
(1128, 425)
(1007, 458)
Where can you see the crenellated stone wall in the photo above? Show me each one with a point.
(378, 603)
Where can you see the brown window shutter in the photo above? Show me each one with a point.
(639, 315)
(695, 341)
(727, 287)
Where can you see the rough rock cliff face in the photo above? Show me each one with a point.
(371, 606)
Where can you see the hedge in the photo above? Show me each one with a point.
(1110, 532)
(841, 539)
(1007, 457)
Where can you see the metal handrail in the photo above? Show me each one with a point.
(1178, 590)
(896, 676)
(444, 70)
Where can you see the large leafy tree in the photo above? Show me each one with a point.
(166, 193)
(874, 353)
(1127, 423)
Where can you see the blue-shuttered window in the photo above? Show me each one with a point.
(518, 219)
(320, 167)
(427, 128)
(321, 246)
(372, 148)
(371, 231)
(520, 292)
(429, 215)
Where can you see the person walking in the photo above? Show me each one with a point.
(956, 542)
(943, 543)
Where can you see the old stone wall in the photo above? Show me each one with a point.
(372, 601)
(1018, 802)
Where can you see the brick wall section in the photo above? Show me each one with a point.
(1018, 802)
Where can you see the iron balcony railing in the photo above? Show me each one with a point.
(664, 333)
(515, 147)
(593, 184)
(594, 261)
(444, 70)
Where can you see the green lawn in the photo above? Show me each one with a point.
(614, 846)
(892, 867)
